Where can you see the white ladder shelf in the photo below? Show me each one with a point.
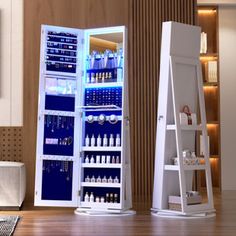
(180, 84)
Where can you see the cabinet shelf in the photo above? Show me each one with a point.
(185, 127)
(101, 205)
(101, 149)
(104, 85)
(186, 167)
(212, 84)
(92, 165)
(103, 185)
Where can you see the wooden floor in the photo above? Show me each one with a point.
(60, 221)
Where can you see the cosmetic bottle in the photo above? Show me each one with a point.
(92, 78)
(104, 179)
(86, 159)
(87, 179)
(87, 141)
(93, 179)
(118, 140)
(117, 159)
(111, 141)
(91, 198)
(99, 180)
(103, 159)
(102, 200)
(115, 198)
(92, 159)
(105, 141)
(97, 199)
(92, 141)
(111, 197)
(86, 197)
(99, 141)
(98, 159)
(113, 160)
(88, 78)
(116, 180)
(110, 180)
(108, 159)
(107, 197)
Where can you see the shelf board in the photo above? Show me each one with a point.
(186, 167)
(103, 85)
(185, 127)
(99, 205)
(94, 165)
(214, 156)
(102, 149)
(212, 84)
(101, 185)
(208, 55)
(213, 122)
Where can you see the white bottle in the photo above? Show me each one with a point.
(93, 179)
(91, 198)
(97, 199)
(87, 179)
(111, 141)
(93, 141)
(116, 180)
(98, 159)
(103, 159)
(108, 159)
(105, 141)
(86, 159)
(117, 159)
(92, 159)
(99, 180)
(102, 199)
(99, 141)
(86, 197)
(92, 78)
(87, 141)
(88, 78)
(118, 140)
(113, 160)
(110, 180)
(104, 179)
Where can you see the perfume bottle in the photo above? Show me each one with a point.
(98, 159)
(93, 179)
(93, 141)
(111, 141)
(99, 141)
(115, 198)
(86, 159)
(108, 159)
(105, 141)
(107, 197)
(86, 197)
(117, 159)
(92, 159)
(113, 160)
(87, 141)
(92, 78)
(104, 179)
(110, 180)
(91, 198)
(111, 197)
(87, 179)
(97, 199)
(88, 78)
(102, 199)
(118, 140)
(103, 159)
(116, 180)
(99, 180)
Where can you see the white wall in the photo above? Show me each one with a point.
(227, 52)
(11, 62)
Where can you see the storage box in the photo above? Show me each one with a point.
(174, 202)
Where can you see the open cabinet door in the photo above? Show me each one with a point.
(58, 157)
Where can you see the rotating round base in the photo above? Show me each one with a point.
(88, 212)
(173, 215)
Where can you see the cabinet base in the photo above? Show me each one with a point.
(92, 212)
(180, 215)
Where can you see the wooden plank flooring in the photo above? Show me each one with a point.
(61, 221)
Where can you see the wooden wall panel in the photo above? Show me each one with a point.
(146, 17)
(143, 19)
